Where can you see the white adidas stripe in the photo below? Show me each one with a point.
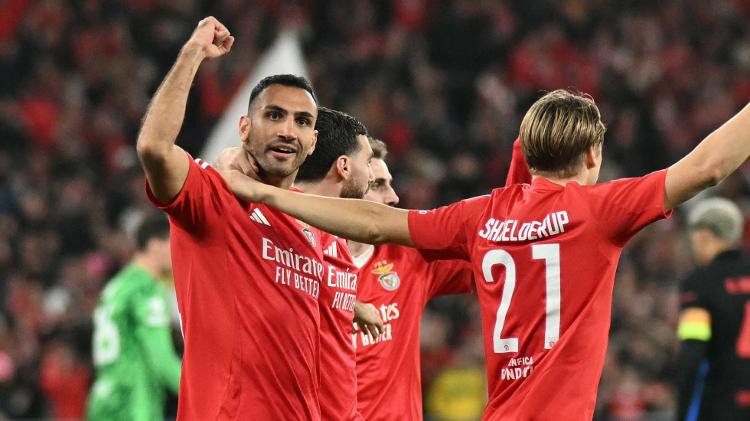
(260, 216)
(332, 250)
(203, 164)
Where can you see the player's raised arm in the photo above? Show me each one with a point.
(165, 164)
(358, 220)
(717, 156)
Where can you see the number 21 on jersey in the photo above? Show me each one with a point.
(550, 253)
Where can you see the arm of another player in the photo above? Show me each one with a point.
(713, 160)
(518, 173)
(694, 331)
(155, 337)
(358, 220)
(367, 317)
(165, 164)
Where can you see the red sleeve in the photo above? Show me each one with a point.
(518, 173)
(447, 231)
(623, 207)
(448, 277)
(199, 201)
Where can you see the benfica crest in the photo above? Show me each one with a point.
(386, 276)
(308, 233)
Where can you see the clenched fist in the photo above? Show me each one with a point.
(211, 37)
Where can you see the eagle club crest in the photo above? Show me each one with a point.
(386, 276)
(308, 233)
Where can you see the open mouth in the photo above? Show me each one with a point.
(283, 149)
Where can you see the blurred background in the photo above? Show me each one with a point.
(443, 82)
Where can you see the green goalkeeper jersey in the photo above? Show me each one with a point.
(133, 352)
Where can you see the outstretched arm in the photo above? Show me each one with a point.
(694, 332)
(166, 165)
(358, 220)
(717, 156)
(160, 355)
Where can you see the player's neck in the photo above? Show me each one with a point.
(280, 182)
(320, 188)
(144, 262)
(562, 181)
(357, 249)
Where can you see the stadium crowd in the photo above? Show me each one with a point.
(444, 83)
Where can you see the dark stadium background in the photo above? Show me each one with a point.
(444, 83)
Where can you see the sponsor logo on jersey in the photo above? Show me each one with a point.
(387, 277)
(257, 216)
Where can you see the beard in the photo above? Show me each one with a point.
(353, 189)
(270, 167)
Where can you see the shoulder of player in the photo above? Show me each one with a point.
(198, 166)
(705, 282)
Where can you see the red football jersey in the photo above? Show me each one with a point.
(338, 379)
(398, 281)
(544, 257)
(247, 279)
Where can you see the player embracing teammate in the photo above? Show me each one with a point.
(543, 255)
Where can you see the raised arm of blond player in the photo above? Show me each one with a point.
(717, 156)
(166, 165)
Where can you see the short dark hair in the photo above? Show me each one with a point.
(379, 148)
(154, 225)
(286, 80)
(337, 135)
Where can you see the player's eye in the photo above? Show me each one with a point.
(303, 122)
(274, 115)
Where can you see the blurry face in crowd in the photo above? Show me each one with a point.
(360, 173)
(159, 249)
(381, 187)
(279, 131)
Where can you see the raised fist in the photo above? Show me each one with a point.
(212, 37)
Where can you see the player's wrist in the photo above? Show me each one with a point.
(192, 51)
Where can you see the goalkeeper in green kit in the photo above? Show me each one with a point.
(133, 352)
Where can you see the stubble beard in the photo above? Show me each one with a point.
(351, 190)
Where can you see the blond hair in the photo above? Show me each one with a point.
(557, 131)
(379, 148)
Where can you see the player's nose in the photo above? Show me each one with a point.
(287, 129)
(391, 198)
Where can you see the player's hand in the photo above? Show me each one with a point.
(236, 159)
(211, 37)
(368, 319)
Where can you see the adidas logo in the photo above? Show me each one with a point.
(203, 164)
(332, 250)
(257, 216)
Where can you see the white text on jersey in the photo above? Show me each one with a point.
(511, 230)
(293, 266)
(342, 280)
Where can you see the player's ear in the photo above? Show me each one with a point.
(343, 167)
(245, 128)
(314, 141)
(592, 155)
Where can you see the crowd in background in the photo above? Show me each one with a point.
(443, 82)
